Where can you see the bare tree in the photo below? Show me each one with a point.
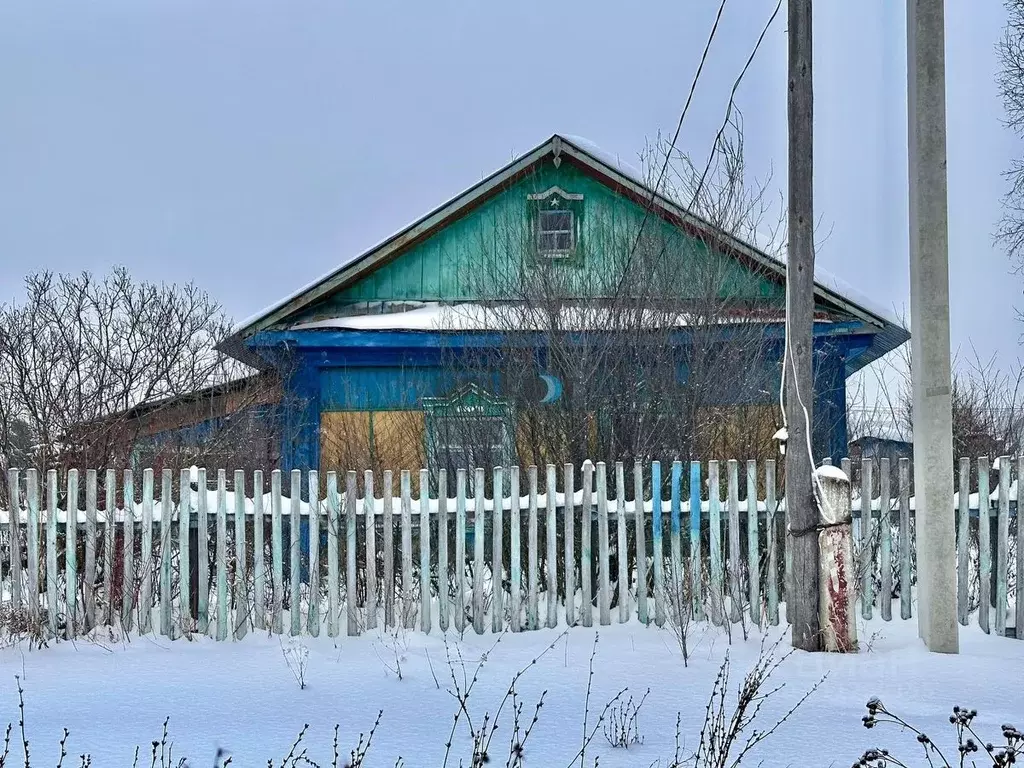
(1010, 50)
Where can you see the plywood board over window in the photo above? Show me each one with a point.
(376, 440)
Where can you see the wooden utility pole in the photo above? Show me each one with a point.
(929, 321)
(801, 508)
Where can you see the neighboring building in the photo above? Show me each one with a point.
(365, 352)
(876, 447)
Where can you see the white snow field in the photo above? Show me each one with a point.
(243, 697)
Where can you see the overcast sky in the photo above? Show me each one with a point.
(252, 146)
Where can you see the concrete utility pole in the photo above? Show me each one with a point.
(929, 321)
(801, 509)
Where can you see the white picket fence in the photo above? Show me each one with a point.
(484, 562)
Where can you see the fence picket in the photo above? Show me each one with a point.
(184, 550)
(515, 574)
(14, 531)
(166, 510)
(203, 548)
(110, 507)
(696, 574)
(425, 618)
(259, 558)
(51, 555)
(241, 580)
(551, 532)
(460, 550)
(497, 569)
(443, 570)
(586, 544)
(89, 575)
(641, 543)
(370, 534)
(313, 612)
(479, 532)
(679, 572)
(294, 551)
(568, 544)
(32, 544)
(351, 605)
(772, 540)
(867, 538)
(277, 552)
(604, 583)
(905, 586)
(984, 546)
(333, 577)
(716, 592)
(753, 546)
(387, 493)
(406, 514)
(533, 575)
(146, 553)
(885, 547)
(1002, 542)
(621, 551)
(963, 538)
(222, 555)
(658, 545)
(735, 594)
(1019, 599)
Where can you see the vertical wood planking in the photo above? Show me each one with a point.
(389, 548)
(963, 539)
(258, 551)
(532, 553)
(110, 508)
(735, 594)
(621, 547)
(406, 513)
(1019, 600)
(294, 550)
(657, 541)
(89, 575)
(864, 561)
(203, 553)
(885, 547)
(313, 612)
(222, 555)
(905, 554)
(443, 574)
(351, 606)
(145, 554)
(696, 574)
(479, 531)
(14, 532)
(984, 546)
(51, 555)
(717, 589)
(32, 544)
(753, 546)
(551, 532)
(640, 516)
(586, 545)
(772, 538)
(515, 572)
(166, 512)
(277, 552)
(460, 550)
(241, 598)
(184, 551)
(370, 534)
(568, 542)
(425, 618)
(497, 544)
(1002, 544)
(604, 584)
(333, 542)
(680, 572)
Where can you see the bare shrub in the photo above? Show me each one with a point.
(296, 658)
(622, 729)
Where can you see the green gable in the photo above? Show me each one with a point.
(478, 255)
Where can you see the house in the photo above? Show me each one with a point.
(379, 358)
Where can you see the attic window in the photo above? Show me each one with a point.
(556, 233)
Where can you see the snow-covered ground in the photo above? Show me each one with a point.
(244, 698)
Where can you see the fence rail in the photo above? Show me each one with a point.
(667, 548)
